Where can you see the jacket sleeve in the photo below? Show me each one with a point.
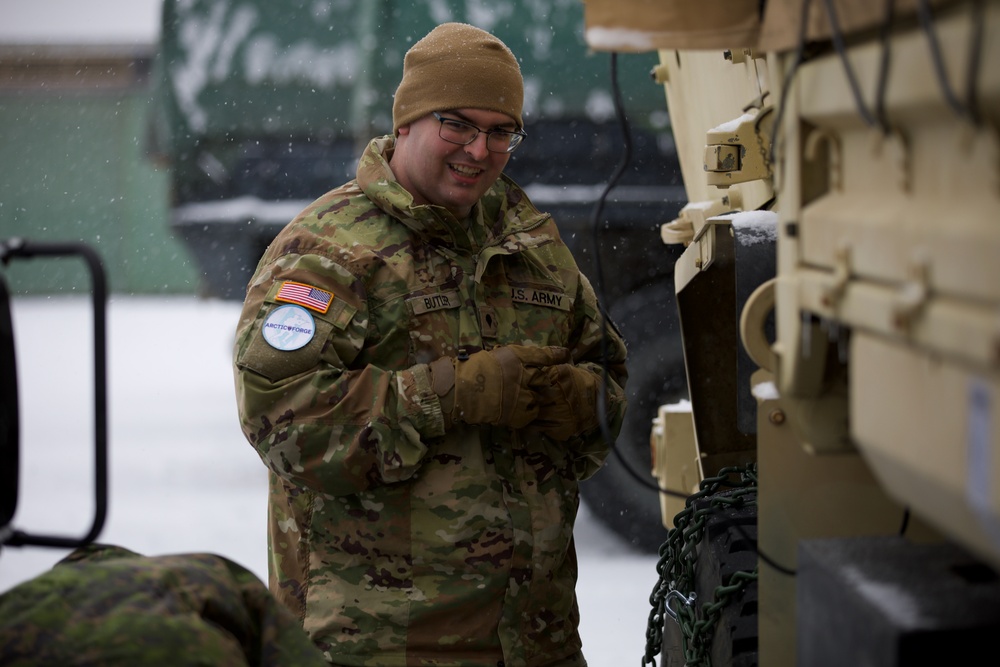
(318, 415)
(597, 345)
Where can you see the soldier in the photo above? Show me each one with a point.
(105, 606)
(419, 364)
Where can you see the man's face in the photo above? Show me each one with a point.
(438, 172)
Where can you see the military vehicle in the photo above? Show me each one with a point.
(832, 488)
(267, 105)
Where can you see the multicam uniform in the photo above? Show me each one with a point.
(396, 541)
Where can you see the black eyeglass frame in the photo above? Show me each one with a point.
(521, 134)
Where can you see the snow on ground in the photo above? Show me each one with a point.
(182, 478)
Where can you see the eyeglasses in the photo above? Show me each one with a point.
(459, 132)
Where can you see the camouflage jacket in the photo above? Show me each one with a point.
(396, 542)
(106, 606)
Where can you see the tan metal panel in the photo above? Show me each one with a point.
(648, 25)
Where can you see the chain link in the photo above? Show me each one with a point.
(676, 569)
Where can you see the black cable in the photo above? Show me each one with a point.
(852, 80)
(619, 171)
(965, 110)
(800, 57)
(599, 287)
(595, 223)
(760, 553)
(885, 32)
(975, 61)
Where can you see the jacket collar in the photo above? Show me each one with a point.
(503, 211)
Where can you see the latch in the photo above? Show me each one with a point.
(722, 158)
(739, 151)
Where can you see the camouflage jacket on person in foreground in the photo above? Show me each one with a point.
(396, 541)
(106, 606)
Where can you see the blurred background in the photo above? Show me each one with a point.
(75, 104)
(176, 137)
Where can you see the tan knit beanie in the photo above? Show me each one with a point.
(458, 66)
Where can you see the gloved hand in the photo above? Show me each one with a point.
(493, 386)
(568, 401)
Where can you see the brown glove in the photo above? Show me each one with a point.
(493, 386)
(568, 397)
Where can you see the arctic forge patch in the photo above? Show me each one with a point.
(304, 295)
(289, 328)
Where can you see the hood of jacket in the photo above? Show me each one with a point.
(504, 215)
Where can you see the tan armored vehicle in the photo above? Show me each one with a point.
(839, 297)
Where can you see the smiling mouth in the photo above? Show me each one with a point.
(462, 170)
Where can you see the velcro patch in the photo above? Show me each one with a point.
(426, 303)
(289, 327)
(304, 295)
(540, 298)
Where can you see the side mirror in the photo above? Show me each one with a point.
(11, 249)
(9, 430)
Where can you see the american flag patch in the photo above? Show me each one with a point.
(304, 295)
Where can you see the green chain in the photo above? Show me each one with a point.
(674, 595)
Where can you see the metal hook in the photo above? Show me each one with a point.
(677, 595)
